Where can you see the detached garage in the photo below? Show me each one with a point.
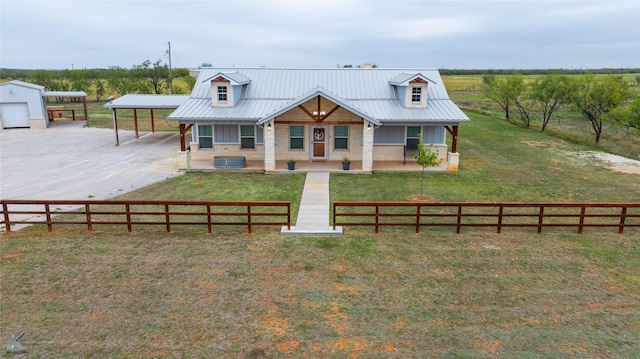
(23, 105)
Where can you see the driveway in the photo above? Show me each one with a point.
(69, 161)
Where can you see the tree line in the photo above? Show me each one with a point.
(600, 99)
(146, 77)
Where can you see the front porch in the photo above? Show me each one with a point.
(318, 166)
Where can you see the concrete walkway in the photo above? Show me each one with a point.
(313, 214)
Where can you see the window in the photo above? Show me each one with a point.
(296, 137)
(412, 137)
(226, 133)
(222, 93)
(341, 137)
(204, 136)
(416, 94)
(247, 137)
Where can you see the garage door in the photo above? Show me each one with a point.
(14, 115)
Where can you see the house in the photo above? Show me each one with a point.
(24, 105)
(319, 116)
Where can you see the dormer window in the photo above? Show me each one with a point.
(222, 93)
(416, 94)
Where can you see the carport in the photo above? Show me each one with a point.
(137, 102)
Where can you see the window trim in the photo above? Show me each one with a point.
(296, 137)
(223, 93)
(417, 138)
(336, 137)
(243, 137)
(206, 136)
(416, 94)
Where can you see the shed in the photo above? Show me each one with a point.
(24, 105)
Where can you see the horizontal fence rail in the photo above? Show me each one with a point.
(144, 213)
(486, 214)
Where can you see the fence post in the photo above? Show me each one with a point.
(459, 223)
(500, 213)
(87, 211)
(582, 211)
(540, 217)
(418, 207)
(377, 216)
(48, 217)
(128, 211)
(623, 216)
(167, 219)
(208, 218)
(334, 216)
(249, 218)
(7, 222)
(289, 217)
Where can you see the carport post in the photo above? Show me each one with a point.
(115, 126)
(135, 121)
(153, 128)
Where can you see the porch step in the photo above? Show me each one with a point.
(313, 214)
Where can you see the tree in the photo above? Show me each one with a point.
(425, 158)
(191, 81)
(152, 78)
(521, 98)
(550, 92)
(629, 115)
(503, 90)
(121, 81)
(100, 88)
(595, 98)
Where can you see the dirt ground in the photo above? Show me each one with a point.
(70, 161)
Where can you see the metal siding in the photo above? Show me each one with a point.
(22, 92)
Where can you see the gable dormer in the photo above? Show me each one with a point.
(411, 90)
(227, 89)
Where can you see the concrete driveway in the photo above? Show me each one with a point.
(69, 161)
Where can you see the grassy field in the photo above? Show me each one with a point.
(396, 294)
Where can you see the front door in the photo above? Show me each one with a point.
(319, 141)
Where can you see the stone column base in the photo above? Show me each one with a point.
(37, 123)
(184, 160)
(453, 159)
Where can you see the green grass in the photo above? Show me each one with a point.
(397, 294)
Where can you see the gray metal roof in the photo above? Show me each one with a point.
(366, 92)
(24, 84)
(64, 94)
(148, 101)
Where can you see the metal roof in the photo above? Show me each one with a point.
(24, 84)
(367, 92)
(64, 94)
(148, 101)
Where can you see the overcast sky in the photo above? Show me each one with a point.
(453, 34)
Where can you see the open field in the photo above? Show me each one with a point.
(360, 295)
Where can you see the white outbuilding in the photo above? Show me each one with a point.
(24, 105)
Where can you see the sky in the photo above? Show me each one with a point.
(453, 34)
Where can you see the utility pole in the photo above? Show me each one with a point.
(170, 72)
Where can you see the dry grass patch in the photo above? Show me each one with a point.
(356, 296)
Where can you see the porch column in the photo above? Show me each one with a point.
(270, 146)
(367, 147)
(453, 157)
(184, 155)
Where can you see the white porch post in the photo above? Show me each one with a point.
(269, 146)
(367, 146)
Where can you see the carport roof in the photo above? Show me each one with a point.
(132, 101)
